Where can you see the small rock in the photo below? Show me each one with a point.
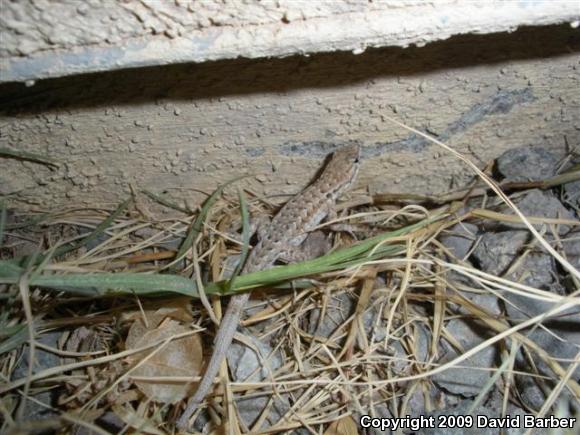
(460, 238)
(43, 360)
(246, 365)
(496, 251)
(339, 308)
(535, 396)
(463, 380)
(485, 301)
(402, 361)
(538, 270)
(100, 239)
(526, 164)
(559, 335)
(571, 247)
(416, 403)
(202, 420)
(246, 361)
(572, 193)
(567, 328)
(538, 203)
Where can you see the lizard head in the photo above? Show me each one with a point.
(343, 166)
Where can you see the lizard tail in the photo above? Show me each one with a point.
(222, 342)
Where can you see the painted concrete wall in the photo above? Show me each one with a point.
(42, 38)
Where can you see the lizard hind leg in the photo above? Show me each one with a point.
(317, 243)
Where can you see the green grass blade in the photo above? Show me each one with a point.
(155, 284)
(342, 258)
(100, 284)
(279, 274)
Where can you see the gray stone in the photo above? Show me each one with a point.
(202, 420)
(534, 396)
(416, 403)
(93, 243)
(538, 270)
(464, 380)
(486, 301)
(339, 308)
(460, 238)
(245, 362)
(374, 329)
(568, 329)
(527, 164)
(422, 344)
(561, 342)
(571, 246)
(538, 203)
(495, 254)
(402, 359)
(252, 407)
(247, 366)
(496, 251)
(572, 193)
(530, 392)
(42, 360)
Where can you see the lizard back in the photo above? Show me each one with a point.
(284, 234)
(301, 214)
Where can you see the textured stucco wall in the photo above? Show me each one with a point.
(42, 38)
(187, 128)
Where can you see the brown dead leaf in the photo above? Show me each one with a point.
(181, 357)
(343, 426)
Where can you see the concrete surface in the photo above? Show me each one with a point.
(42, 39)
(182, 130)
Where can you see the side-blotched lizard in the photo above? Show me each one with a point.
(280, 239)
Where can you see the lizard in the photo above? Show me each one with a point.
(280, 239)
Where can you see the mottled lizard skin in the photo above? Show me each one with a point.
(284, 235)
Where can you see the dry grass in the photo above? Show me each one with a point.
(371, 360)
